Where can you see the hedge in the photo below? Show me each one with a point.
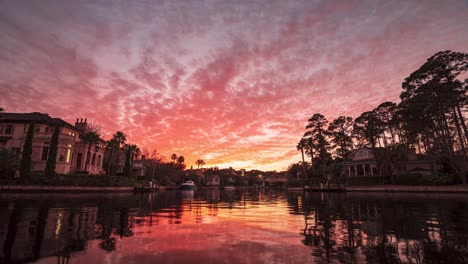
(72, 180)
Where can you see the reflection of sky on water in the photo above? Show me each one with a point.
(233, 227)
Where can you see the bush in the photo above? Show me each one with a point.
(72, 180)
(367, 180)
(407, 179)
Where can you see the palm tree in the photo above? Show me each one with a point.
(90, 138)
(180, 159)
(301, 145)
(174, 157)
(200, 162)
(111, 145)
(2, 109)
(120, 137)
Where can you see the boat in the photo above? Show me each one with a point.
(229, 187)
(188, 185)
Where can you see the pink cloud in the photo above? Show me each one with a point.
(228, 82)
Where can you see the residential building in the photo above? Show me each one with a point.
(71, 153)
(363, 163)
(212, 180)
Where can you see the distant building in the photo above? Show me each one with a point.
(71, 154)
(212, 180)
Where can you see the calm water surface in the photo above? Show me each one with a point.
(249, 226)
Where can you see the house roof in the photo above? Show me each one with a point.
(35, 117)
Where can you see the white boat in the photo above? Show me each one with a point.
(188, 185)
(229, 187)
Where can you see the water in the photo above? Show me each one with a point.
(249, 226)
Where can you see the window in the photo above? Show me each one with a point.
(1, 129)
(68, 153)
(94, 160)
(37, 129)
(9, 129)
(99, 160)
(45, 153)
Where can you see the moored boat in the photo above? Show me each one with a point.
(188, 185)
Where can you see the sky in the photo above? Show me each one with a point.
(230, 82)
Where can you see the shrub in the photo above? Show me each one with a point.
(367, 180)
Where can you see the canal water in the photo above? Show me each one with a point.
(251, 226)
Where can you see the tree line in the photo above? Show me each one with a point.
(430, 118)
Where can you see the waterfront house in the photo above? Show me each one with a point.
(71, 153)
(363, 163)
(13, 130)
(212, 180)
(97, 150)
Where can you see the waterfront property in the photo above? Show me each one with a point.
(212, 180)
(364, 163)
(72, 151)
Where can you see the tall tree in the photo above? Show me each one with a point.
(317, 135)
(438, 96)
(52, 157)
(127, 166)
(26, 161)
(180, 159)
(200, 163)
(340, 132)
(120, 139)
(112, 145)
(90, 138)
(174, 157)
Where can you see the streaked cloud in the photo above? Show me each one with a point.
(227, 81)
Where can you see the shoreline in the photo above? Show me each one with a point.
(356, 189)
(393, 189)
(61, 189)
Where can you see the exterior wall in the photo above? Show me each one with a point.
(95, 161)
(362, 154)
(213, 181)
(68, 151)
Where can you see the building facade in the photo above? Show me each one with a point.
(363, 163)
(71, 152)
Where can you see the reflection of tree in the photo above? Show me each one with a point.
(14, 218)
(108, 244)
(124, 230)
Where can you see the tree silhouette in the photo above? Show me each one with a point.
(26, 162)
(174, 157)
(52, 157)
(90, 138)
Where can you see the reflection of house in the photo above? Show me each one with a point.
(212, 180)
(71, 153)
(363, 163)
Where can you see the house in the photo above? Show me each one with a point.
(13, 130)
(97, 151)
(71, 153)
(212, 180)
(363, 163)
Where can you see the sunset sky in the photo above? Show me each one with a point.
(231, 82)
